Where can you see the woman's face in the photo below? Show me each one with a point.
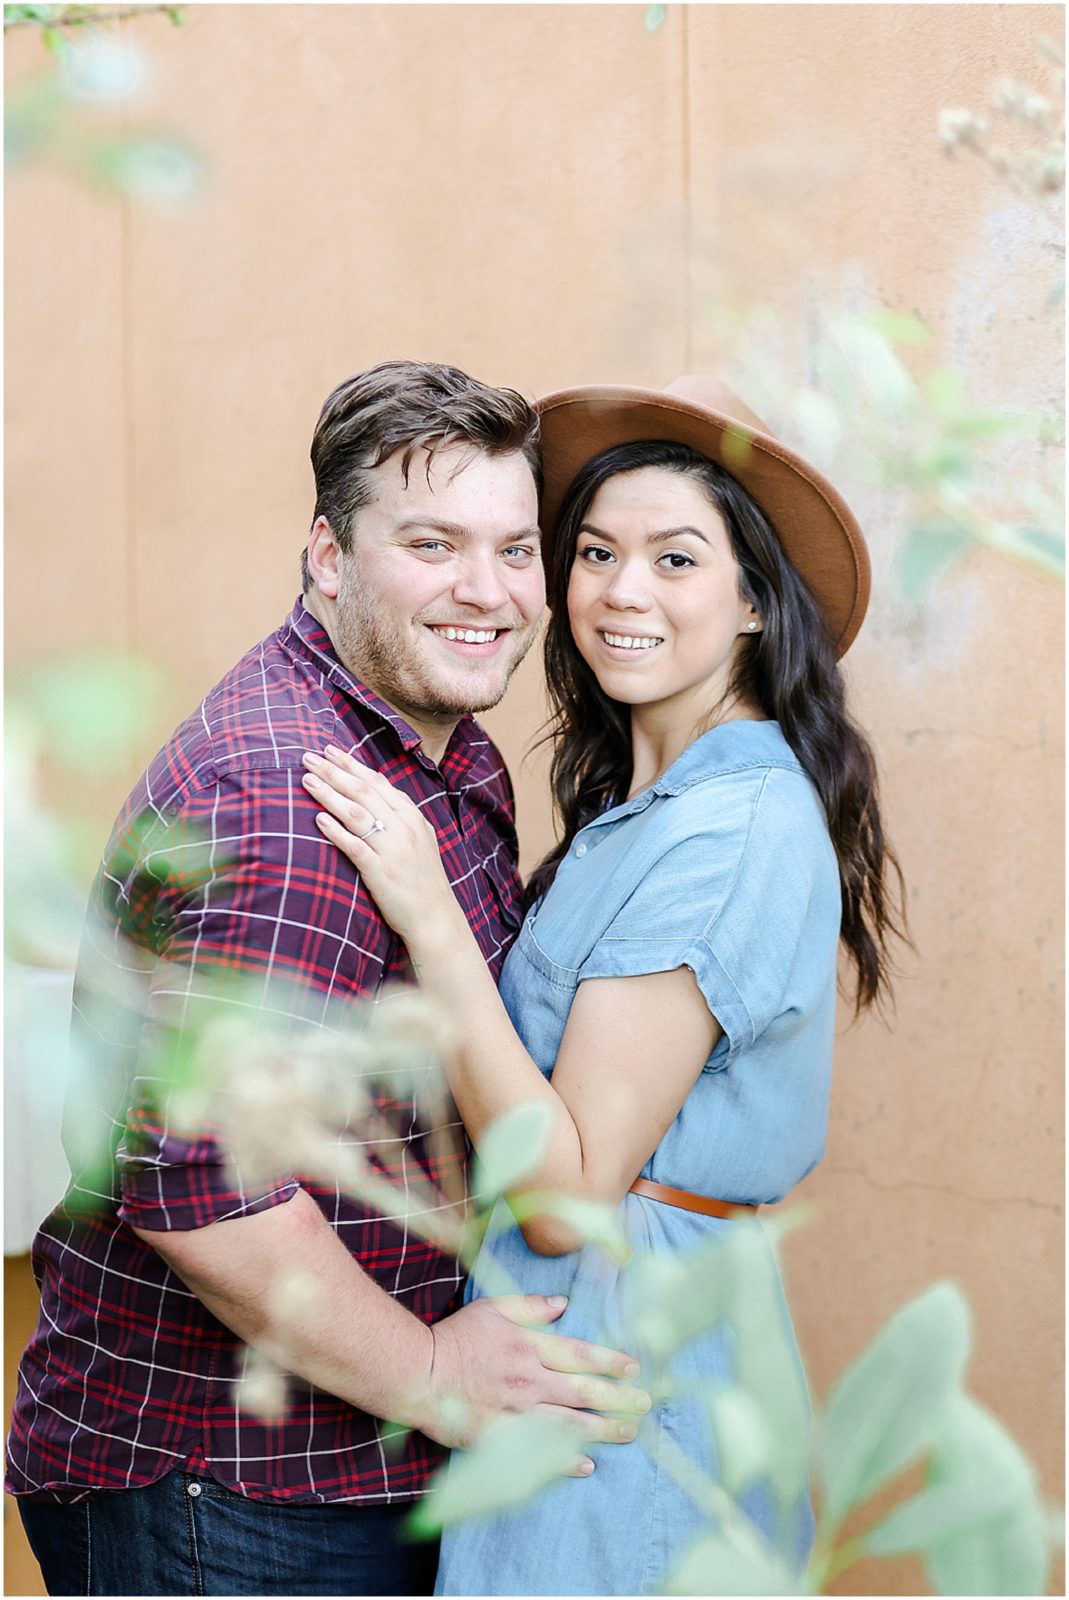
(653, 594)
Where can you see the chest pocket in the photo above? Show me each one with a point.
(562, 977)
(537, 993)
(586, 896)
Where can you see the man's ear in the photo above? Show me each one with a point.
(323, 554)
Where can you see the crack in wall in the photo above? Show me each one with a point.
(985, 1200)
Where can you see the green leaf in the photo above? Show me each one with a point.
(1009, 1556)
(91, 707)
(515, 1458)
(715, 1564)
(732, 1280)
(1005, 1554)
(898, 328)
(737, 446)
(392, 1439)
(669, 1298)
(45, 15)
(655, 16)
(1049, 546)
(32, 119)
(512, 1146)
(931, 1517)
(767, 1363)
(946, 390)
(885, 1410)
(980, 425)
(744, 1441)
(874, 367)
(160, 171)
(819, 424)
(593, 1222)
(926, 553)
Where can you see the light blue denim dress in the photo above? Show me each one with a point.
(725, 866)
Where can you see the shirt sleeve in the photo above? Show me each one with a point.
(249, 912)
(727, 898)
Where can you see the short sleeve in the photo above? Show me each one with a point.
(728, 898)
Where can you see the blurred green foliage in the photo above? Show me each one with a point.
(878, 406)
(52, 20)
(64, 115)
(979, 1525)
(1027, 152)
(69, 724)
(877, 410)
(278, 1086)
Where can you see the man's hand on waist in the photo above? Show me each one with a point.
(489, 1359)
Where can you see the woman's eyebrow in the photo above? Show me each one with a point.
(651, 538)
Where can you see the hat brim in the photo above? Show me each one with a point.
(817, 529)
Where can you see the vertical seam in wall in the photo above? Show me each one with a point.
(126, 402)
(688, 276)
(127, 408)
(125, 339)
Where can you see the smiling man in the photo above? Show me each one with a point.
(424, 569)
(137, 1469)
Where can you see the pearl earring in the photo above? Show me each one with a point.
(751, 626)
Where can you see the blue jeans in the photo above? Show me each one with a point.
(187, 1535)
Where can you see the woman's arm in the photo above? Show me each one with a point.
(632, 1048)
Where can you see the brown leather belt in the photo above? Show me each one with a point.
(688, 1202)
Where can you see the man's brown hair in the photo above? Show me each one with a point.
(409, 405)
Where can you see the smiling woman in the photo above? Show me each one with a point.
(670, 1000)
(660, 607)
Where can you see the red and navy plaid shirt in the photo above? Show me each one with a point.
(128, 1374)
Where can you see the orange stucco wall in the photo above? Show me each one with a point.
(549, 195)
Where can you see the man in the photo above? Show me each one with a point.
(139, 1471)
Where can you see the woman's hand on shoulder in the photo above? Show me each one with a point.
(388, 840)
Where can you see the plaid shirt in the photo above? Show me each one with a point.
(128, 1374)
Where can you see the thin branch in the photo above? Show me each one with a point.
(79, 16)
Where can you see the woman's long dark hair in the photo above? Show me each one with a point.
(788, 670)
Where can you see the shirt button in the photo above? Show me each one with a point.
(580, 848)
(193, 1490)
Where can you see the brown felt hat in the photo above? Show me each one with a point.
(814, 524)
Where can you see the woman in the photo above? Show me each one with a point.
(671, 996)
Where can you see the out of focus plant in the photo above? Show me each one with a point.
(52, 20)
(870, 418)
(869, 397)
(279, 1078)
(978, 1523)
(56, 118)
(69, 725)
(1026, 148)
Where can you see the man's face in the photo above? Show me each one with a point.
(440, 596)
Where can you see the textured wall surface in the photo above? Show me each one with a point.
(546, 196)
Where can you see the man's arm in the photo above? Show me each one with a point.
(355, 1341)
(260, 895)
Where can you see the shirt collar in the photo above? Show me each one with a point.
(729, 747)
(303, 632)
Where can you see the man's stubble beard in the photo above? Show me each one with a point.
(382, 657)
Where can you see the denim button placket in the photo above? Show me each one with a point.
(193, 1490)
